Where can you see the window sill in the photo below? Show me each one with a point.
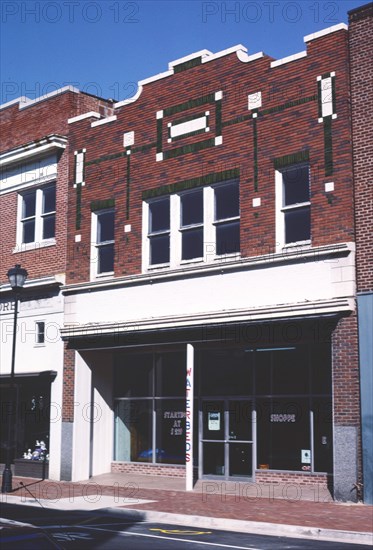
(25, 247)
(297, 244)
(39, 345)
(106, 275)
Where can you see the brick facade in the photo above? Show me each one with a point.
(361, 78)
(287, 123)
(19, 128)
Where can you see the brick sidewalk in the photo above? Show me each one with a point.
(323, 515)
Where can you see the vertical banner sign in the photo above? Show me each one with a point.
(189, 394)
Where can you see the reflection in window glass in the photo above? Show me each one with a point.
(105, 241)
(170, 430)
(296, 185)
(133, 431)
(227, 206)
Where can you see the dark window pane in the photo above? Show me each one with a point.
(226, 372)
(192, 207)
(133, 431)
(192, 246)
(170, 374)
(323, 434)
(28, 231)
(240, 459)
(105, 258)
(227, 201)
(159, 215)
(321, 369)
(228, 238)
(213, 459)
(263, 370)
(133, 375)
(170, 430)
(105, 227)
(49, 223)
(29, 201)
(283, 432)
(296, 185)
(159, 249)
(290, 372)
(298, 225)
(240, 421)
(49, 199)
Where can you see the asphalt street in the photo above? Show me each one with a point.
(111, 530)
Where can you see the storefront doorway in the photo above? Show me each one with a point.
(228, 432)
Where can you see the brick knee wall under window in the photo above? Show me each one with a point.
(268, 476)
(148, 469)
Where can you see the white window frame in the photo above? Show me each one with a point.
(37, 332)
(38, 241)
(209, 232)
(95, 246)
(281, 210)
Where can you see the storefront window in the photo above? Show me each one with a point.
(226, 372)
(147, 387)
(170, 430)
(283, 428)
(133, 430)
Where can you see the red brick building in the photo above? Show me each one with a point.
(361, 82)
(211, 228)
(33, 227)
(208, 246)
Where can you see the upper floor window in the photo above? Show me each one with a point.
(197, 225)
(102, 253)
(293, 205)
(38, 215)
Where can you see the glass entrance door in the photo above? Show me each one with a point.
(227, 438)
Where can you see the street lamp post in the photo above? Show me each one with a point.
(17, 277)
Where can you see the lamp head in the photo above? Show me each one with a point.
(17, 276)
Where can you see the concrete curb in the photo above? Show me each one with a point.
(255, 527)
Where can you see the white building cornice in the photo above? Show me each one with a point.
(38, 147)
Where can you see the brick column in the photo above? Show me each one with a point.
(361, 82)
(346, 409)
(67, 413)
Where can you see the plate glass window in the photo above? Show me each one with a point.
(105, 241)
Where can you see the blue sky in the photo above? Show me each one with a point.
(105, 47)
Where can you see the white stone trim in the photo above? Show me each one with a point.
(128, 139)
(78, 238)
(158, 157)
(159, 115)
(59, 279)
(254, 100)
(103, 121)
(201, 53)
(288, 59)
(222, 53)
(324, 32)
(24, 101)
(218, 95)
(257, 201)
(244, 58)
(219, 140)
(51, 94)
(131, 99)
(156, 77)
(91, 114)
(185, 128)
(127, 228)
(32, 149)
(21, 99)
(329, 186)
